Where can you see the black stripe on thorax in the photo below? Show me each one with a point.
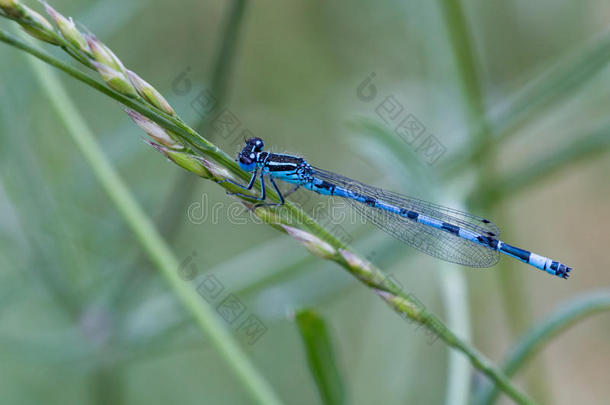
(282, 163)
(280, 168)
(281, 158)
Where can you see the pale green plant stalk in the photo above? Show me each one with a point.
(185, 185)
(219, 165)
(177, 199)
(321, 358)
(151, 241)
(534, 339)
(224, 57)
(465, 62)
(552, 87)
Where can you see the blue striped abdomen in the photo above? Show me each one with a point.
(533, 259)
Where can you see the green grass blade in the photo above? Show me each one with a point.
(149, 238)
(554, 86)
(182, 192)
(27, 188)
(455, 301)
(581, 148)
(225, 55)
(534, 340)
(364, 271)
(321, 357)
(461, 43)
(453, 283)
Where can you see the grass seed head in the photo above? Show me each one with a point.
(102, 54)
(355, 262)
(153, 130)
(149, 93)
(11, 7)
(115, 79)
(311, 242)
(218, 171)
(185, 160)
(34, 24)
(67, 28)
(265, 214)
(189, 162)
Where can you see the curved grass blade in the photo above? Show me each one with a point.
(533, 341)
(582, 147)
(150, 239)
(321, 357)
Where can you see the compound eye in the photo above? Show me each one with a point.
(245, 160)
(258, 144)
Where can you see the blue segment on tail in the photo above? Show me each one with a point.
(540, 262)
(446, 233)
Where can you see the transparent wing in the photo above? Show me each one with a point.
(450, 215)
(432, 241)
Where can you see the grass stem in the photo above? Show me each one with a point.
(162, 257)
(148, 236)
(537, 337)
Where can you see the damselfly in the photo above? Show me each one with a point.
(445, 233)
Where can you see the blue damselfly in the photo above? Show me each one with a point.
(442, 232)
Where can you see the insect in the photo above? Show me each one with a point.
(442, 232)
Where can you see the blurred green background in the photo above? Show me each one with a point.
(85, 318)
